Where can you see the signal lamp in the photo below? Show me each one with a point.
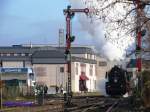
(72, 38)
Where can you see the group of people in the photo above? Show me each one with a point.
(41, 89)
(61, 89)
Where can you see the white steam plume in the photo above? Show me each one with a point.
(111, 49)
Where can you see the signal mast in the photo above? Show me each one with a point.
(138, 4)
(69, 13)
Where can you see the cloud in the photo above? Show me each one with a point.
(112, 49)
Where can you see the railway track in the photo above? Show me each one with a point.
(79, 104)
(93, 105)
(112, 107)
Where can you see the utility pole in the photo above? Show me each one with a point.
(69, 13)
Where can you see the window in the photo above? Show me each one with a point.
(8, 54)
(61, 69)
(102, 63)
(19, 54)
(11, 54)
(86, 56)
(23, 54)
(15, 54)
(26, 54)
(77, 68)
(95, 84)
(4, 54)
(91, 70)
(90, 56)
(94, 57)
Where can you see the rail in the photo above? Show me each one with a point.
(112, 107)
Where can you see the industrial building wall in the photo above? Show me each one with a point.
(50, 74)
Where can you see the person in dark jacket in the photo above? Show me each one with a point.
(45, 89)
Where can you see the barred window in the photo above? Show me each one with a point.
(77, 65)
(61, 69)
(102, 63)
(26, 54)
(11, 54)
(91, 70)
(95, 84)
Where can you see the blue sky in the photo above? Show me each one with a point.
(35, 21)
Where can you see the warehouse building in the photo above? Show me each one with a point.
(50, 68)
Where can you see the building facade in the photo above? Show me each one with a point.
(50, 68)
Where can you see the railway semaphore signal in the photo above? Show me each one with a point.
(69, 13)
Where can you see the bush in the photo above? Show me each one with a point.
(146, 88)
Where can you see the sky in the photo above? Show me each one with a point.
(39, 21)
(35, 21)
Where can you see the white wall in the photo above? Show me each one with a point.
(76, 76)
(50, 75)
(92, 78)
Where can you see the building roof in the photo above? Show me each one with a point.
(29, 49)
(15, 58)
(23, 49)
(44, 55)
(17, 50)
(48, 61)
(78, 50)
(48, 54)
(55, 57)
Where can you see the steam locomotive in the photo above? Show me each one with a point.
(117, 82)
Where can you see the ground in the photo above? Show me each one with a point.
(84, 103)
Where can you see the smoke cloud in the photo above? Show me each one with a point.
(95, 29)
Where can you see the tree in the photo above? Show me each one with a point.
(120, 19)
